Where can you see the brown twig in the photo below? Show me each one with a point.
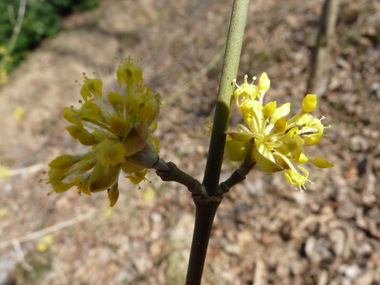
(238, 176)
(170, 172)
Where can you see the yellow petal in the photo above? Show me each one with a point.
(81, 181)
(85, 92)
(137, 177)
(297, 179)
(94, 86)
(312, 139)
(282, 111)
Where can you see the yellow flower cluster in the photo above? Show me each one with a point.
(272, 141)
(119, 140)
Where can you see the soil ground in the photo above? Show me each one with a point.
(265, 232)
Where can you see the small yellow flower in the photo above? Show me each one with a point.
(19, 113)
(3, 76)
(45, 243)
(271, 140)
(5, 172)
(120, 138)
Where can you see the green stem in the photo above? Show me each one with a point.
(206, 206)
(226, 88)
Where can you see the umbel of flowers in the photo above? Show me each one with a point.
(118, 140)
(271, 140)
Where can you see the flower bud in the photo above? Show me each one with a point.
(264, 82)
(68, 114)
(74, 131)
(85, 138)
(113, 194)
(320, 162)
(115, 98)
(270, 108)
(63, 162)
(117, 124)
(309, 103)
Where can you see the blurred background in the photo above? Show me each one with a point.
(265, 232)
